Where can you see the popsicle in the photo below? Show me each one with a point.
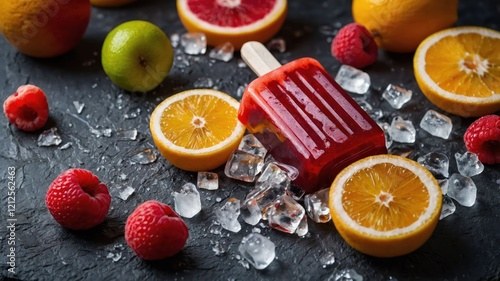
(304, 118)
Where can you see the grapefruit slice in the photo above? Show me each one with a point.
(235, 21)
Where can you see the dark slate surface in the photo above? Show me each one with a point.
(465, 245)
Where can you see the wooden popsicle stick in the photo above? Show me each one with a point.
(258, 58)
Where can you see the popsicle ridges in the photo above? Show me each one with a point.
(305, 119)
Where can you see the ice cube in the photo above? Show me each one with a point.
(187, 201)
(327, 259)
(194, 43)
(345, 275)
(228, 214)
(436, 124)
(274, 175)
(448, 207)
(295, 191)
(386, 128)
(402, 130)
(208, 180)
(462, 189)
(258, 250)
(353, 80)
(126, 134)
(243, 166)
(78, 106)
(278, 44)
(285, 214)
(396, 96)
(144, 157)
(250, 144)
(174, 40)
(468, 164)
(317, 206)
(114, 256)
(265, 194)
(443, 183)
(203, 82)
(125, 192)
(436, 162)
(49, 137)
(222, 52)
(303, 227)
(250, 211)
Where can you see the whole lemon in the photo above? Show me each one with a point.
(400, 26)
(44, 28)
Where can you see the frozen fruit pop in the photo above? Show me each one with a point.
(305, 119)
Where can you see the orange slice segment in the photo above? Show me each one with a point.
(235, 21)
(385, 205)
(458, 69)
(196, 130)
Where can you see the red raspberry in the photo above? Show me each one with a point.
(155, 232)
(27, 108)
(354, 45)
(78, 200)
(483, 138)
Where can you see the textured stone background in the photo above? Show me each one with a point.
(465, 245)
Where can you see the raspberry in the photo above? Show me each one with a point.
(155, 232)
(78, 200)
(27, 108)
(354, 45)
(483, 138)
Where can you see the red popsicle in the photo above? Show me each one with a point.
(305, 119)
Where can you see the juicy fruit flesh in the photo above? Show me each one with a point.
(231, 13)
(198, 121)
(458, 66)
(390, 197)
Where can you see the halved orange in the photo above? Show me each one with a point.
(458, 70)
(385, 205)
(235, 21)
(196, 130)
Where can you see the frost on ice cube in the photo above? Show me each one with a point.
(402, 130)
(317, 206)
(353, 80)
(396, 96)
(194, 43)
(285, 214)
(258, 250)
(208, 180)
(250, 144)
(468, 164)
(462, 189)
(228, 214)
(436, 162)
(187, 201)
(243, 166)
(436, 124)
(222, 52)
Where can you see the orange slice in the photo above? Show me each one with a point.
(458, 69)
(196, 130)
(235, 21)
(385, 205)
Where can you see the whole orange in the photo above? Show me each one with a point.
(44, 28)
(399, 26)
